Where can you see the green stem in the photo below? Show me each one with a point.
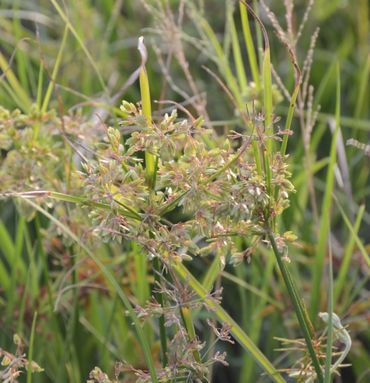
(299, 309)
(223, 317)
(189, 325)
(151, 164)
(248, 39)
(162, 328)
(31, 344)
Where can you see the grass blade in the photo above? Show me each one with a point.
(151, 162)
(325, 214)
(79, 40)
(299, 308)
(30, 351)
(329, 342)
(239, 65)
(146, 104)
(58, 61)
(114, 284)
(250, 46)
(225, 318)
(345, 264)
(20, 94)
(360, 245)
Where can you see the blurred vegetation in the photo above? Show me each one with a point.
(66, 66)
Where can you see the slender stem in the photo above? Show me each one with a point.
(189, 325)
(30, 352)
(329, 343)
(299, 309)
(151, 163)
(162, 328)
(223, 317)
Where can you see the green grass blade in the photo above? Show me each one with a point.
(251, 288)
(267, 100)
(212, 273)
(345, 264)
(7, 245)
(256, 310)
(225, 318)
(151, 162)
(325, 215)
(39, 86)
(123, 209)
(289, 119)
(329, 341)
(82, 44)
(30, 351)
(364, 85)
(25, 101)
(18, 268)
(114, 284)
(146, 104)
(223, 63)
(4, 276)
(250, 46)
(239, 65)
(299, 308)
(267, 94)
(22, 59)
(54, 74)
(348, 223)
(190, 329)
(162, 327)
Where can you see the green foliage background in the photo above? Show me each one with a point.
(74, 58)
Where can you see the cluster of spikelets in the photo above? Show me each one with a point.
(217, 195)
(14, 365)
(217, 192)
(211, 184)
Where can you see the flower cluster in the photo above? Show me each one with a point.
(14, 365)
(217, 192)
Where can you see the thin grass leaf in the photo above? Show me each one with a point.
(7, 245)
(251, 288)
(20, 94)
(82, 44)
(212, 273)
(267, 100)
(30, 348)
(4, 276)
(239, 65)
(300, 178)
(54, 74)
(299, 308)
(114, 284)
(346, 260)
(289, 119)
(123, 209)
(18, 268)
(189, 325)
(257, 308)
(325, 215)
(358, 241)
(146, 104)
(151, 163)
(364, 84)
(39, 86)
(224, 318)
(22, 59)
(329, 341)
(222, 61)
(248, 39)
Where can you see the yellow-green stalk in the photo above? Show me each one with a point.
(150, 174)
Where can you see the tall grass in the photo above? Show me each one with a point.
(114, 239)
